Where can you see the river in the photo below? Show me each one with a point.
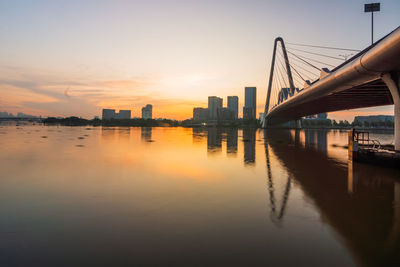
(93, 196)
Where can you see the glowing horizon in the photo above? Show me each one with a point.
(74, 58)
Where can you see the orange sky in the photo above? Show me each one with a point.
(85, 56)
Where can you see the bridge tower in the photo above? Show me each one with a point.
(271, 75)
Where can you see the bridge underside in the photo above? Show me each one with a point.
(370, 94)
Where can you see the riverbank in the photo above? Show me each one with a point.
(137, 122)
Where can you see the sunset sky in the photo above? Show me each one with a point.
(64, 58)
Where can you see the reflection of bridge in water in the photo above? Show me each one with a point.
(359, 205)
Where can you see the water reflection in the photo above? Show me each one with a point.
(146, 133)
(232, 141)
(276, 213)
(214, 140)
(249, 140)
(367, 219)
(122, 202)
(316, 139)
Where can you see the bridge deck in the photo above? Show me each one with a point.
(374, 93)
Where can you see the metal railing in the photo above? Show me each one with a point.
(362, 138)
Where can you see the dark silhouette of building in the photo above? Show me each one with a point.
(233, 105)
(147, 112)
(250, 103)
(214, 103)
(200, 114)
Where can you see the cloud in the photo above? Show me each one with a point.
(52, 95)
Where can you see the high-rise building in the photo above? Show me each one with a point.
(233, 105)
(147, 112)
(225, 114)
(108, 114)
(200, 114)
(250, 103)
(214, 103)
(123, 115)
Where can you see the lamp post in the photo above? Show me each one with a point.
(372, 7)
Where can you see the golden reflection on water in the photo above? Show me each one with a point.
(207, 196)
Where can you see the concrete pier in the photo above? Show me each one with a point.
(392, 81)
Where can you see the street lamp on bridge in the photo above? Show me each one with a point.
(372, 7)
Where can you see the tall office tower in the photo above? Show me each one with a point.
(250, 105)
(108, 114)
(233, 105)
(147, 112)
(214, 103)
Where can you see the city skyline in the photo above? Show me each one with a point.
(94, 56)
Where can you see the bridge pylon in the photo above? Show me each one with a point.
(271, 75)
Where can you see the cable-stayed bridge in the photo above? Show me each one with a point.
(305, 81)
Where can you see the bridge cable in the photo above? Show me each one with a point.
(320, 62)
(317, 54)
(304, 61)
(326, 47)
(296, 71)
(284, 70)
(280, 72)
(304, 69)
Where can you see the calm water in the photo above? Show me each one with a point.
(77, 196)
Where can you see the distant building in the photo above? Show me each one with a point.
(373, 119)
(250, 103)
(123, 115)
(233, 105)
(5, 114)
(321, 116)
(200, 114)
(214, 103)
(225, 114)
(147, 112)
(108, 114)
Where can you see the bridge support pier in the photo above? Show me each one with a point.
(297, 124)
(392, 81)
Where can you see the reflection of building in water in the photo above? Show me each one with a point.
(214, 139)
(124, 132)
(316, 139)
(232, 140)
(198, 134)
(322, 140)
(108, 132)
(146, 133)
(249, 140)
(310, 138)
